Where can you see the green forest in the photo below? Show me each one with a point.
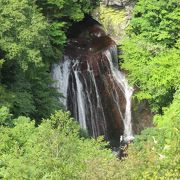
(39, 139)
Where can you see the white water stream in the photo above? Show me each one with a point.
(122, 82)
(85, 104)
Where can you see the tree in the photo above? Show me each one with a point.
(151, 56)
(151, 52)
(52, 150)
(23, 33)
(30, 42)
(157, 21)
(27, 54)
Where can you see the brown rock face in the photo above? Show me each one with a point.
(104, 100)
(142, 116)
(93, 95)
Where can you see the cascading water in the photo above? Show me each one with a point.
(80, 101)
(120, 78)
(94, 90)
(60, 73)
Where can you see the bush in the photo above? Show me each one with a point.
(53, 150)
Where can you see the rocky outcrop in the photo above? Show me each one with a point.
(119, 3)
(95, 91)
(102, 97)
(142, 117)
(114, 20)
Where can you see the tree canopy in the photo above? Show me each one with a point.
(151, 51)
(151, 57)
(33, 34)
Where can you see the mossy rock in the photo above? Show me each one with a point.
(113, 19)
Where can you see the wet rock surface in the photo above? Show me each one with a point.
(102, 118)
(94, 96)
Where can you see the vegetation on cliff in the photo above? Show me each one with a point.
(113, 20)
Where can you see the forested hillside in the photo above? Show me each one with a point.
(39, 139)
(32, 38)
(151, 51)
(152, 58)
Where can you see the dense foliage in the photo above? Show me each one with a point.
(32, 35)
(151, 52)
(151, 57)
(54, 150)
(155, 153)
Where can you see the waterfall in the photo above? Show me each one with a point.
(80, 101)
(120, 78)
(94, 90)
(60, 73)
